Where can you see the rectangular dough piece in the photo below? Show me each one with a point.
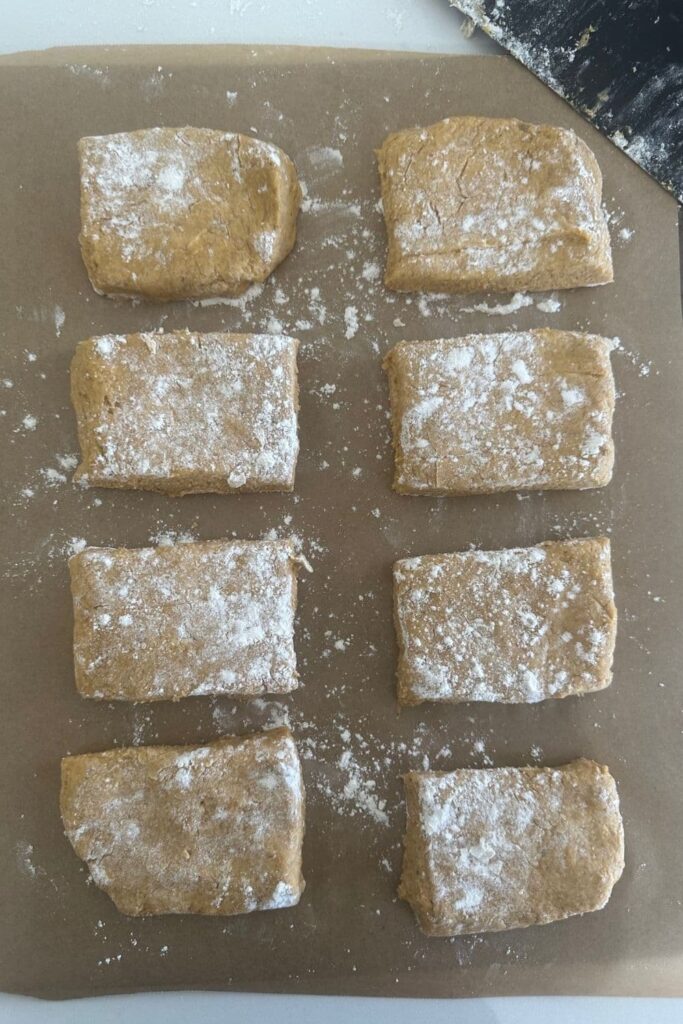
(185, 620)
(524, 410)
(515, 626)
(479, 204)
(186, 413)
(497, 848)
(184, 213)
(215, 829)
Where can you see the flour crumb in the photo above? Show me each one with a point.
(351, 321)
(275, 715)
(370, 271)
(518, 301)
(68, 461)
(166, 538)
(29, 422)
(59, 318)
(241, 302)
(479, 748)
(325, 157)
(551, 305)
(231, 98)
(52, 477)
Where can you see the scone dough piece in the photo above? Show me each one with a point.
(215, 829)
(515, 626)
(185, 620)
(526, 410)
(477, 204)
(187, 413)
(184, 213)
(498, 848)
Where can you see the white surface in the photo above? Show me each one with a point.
(216, 1008)
(389, 24)
(385, 24)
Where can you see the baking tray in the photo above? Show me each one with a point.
(59, 935)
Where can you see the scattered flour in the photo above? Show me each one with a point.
(25, 863)
(358, 794)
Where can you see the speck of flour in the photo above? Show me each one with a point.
(518, 301)
(59, 318)
(166, 538)
(351, 321)
(370, 271)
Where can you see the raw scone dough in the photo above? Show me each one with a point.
(187, 413)
(215, 829)
(527, 410)
(185, 620)
(477, 204)
(498, 848)
(183, 213)
(515, 626)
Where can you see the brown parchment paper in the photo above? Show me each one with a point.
(59, 935)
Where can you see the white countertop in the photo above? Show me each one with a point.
(381, 24)
(384, 24)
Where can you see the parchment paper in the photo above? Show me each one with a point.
(59, 935)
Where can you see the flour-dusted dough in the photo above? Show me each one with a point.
(515, 626)
(526, 410)
(187, 413)
(498, 848)
(475, 203)
(185, 620)
(182, 213)
(215, 829)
